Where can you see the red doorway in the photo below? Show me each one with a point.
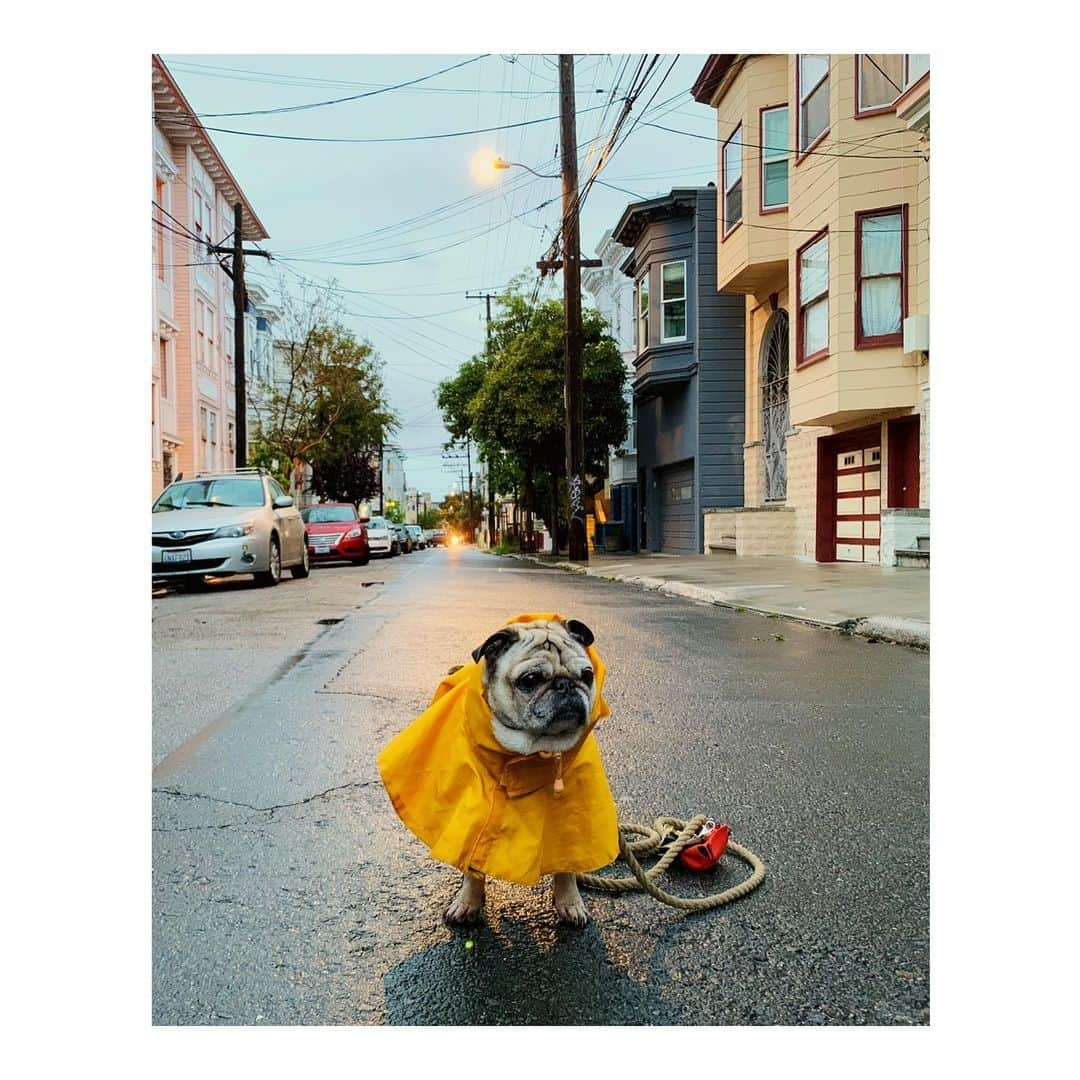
(904, 463)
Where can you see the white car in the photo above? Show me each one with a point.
(382, 538)
(240, 522)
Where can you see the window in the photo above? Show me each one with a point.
(204, 433)
(162, 252)
(774, 158)
(881, 80)
(200, 332)
(210, 354)
(230, 346)
(212, 459)
(813, 85)
(643, 313)
(673, 301)
(881, 276)
(231, 437)
(733, 181)
(812, 271)
(917, 66)
(163, 367)
(203, 214)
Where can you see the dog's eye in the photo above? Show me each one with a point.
(530, 680)
(587, 676)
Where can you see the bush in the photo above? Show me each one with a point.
(509, 545)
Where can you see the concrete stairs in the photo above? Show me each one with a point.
(916, 556)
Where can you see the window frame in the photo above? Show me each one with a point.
(779, 208)
(164, 375)
(876, 110)
(685, 299)
(200, 332)
(725, 232)
(802, 361)
(880, 341)
(642, 316)
(801, 153)
(161, 191)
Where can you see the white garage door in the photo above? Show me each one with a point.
(858, 505)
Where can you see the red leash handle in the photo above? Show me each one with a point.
(709, 849)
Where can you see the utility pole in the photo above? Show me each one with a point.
(574, 389)
(239, 304)
(487, 297)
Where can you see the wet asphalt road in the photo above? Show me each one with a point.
(287, 892)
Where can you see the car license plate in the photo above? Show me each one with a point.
(183, 555)
(322, 549)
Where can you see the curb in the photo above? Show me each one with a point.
(890, 628)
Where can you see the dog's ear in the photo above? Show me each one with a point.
(495, 646)
(580, 632)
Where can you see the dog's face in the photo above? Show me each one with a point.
(539, 684)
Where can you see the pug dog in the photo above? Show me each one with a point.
(540, 686)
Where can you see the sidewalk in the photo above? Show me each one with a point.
(888, 603)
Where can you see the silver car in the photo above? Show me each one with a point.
(240, 522)
(382, 540)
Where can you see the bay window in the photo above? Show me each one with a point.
(812, 77)
(200, 332)
(812, 273)
(774, 158)
(643, 313)
(880, 276)
(203, 216)
(733, 181)
(161, 198)
(673, 301)
(163, 368)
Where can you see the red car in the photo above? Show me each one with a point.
(335, 532)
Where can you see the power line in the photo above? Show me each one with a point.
(352, 97)
(383, 139)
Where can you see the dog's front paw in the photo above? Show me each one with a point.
(468, 903)
(568, 903)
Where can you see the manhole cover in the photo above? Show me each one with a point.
(328, 622)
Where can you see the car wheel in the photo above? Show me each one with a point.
(395, 548)
(273, 575)
(362, 561)
(303, 567)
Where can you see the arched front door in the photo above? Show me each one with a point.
(774, 404)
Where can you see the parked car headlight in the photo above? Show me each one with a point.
(229, 532)
(352, 534)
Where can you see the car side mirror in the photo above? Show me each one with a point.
(282, 501)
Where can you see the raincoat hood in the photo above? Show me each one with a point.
(481, 807)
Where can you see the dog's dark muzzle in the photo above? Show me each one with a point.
(569, 712)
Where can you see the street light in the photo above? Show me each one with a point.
(499, 163)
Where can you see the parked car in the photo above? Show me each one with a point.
(335, 532)
(438, 536)
(405, 540)
(239, 522)
(382, 537)
(417, 535)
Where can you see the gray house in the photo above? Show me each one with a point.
(689, 371)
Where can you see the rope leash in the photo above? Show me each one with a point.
(651, 839)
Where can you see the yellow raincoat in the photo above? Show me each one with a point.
(481, 807)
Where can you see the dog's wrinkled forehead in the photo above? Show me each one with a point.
(565, 643)
(538, 638)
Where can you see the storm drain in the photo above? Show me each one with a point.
(329, 622)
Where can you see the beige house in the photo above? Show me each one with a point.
(823, 224)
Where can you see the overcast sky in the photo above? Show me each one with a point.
(328, 203)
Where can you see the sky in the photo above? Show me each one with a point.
(379, 203)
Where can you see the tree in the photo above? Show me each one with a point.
(428, 519)
(326, 403)
(519, 407)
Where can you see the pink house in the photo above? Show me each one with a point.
(193, 402)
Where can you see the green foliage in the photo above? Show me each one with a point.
(511, 402)
(428, 519)
(395, 514)
(509, 545)
(262, 455)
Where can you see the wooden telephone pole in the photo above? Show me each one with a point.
(488, 297)
(239, 304)
(574, 389)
